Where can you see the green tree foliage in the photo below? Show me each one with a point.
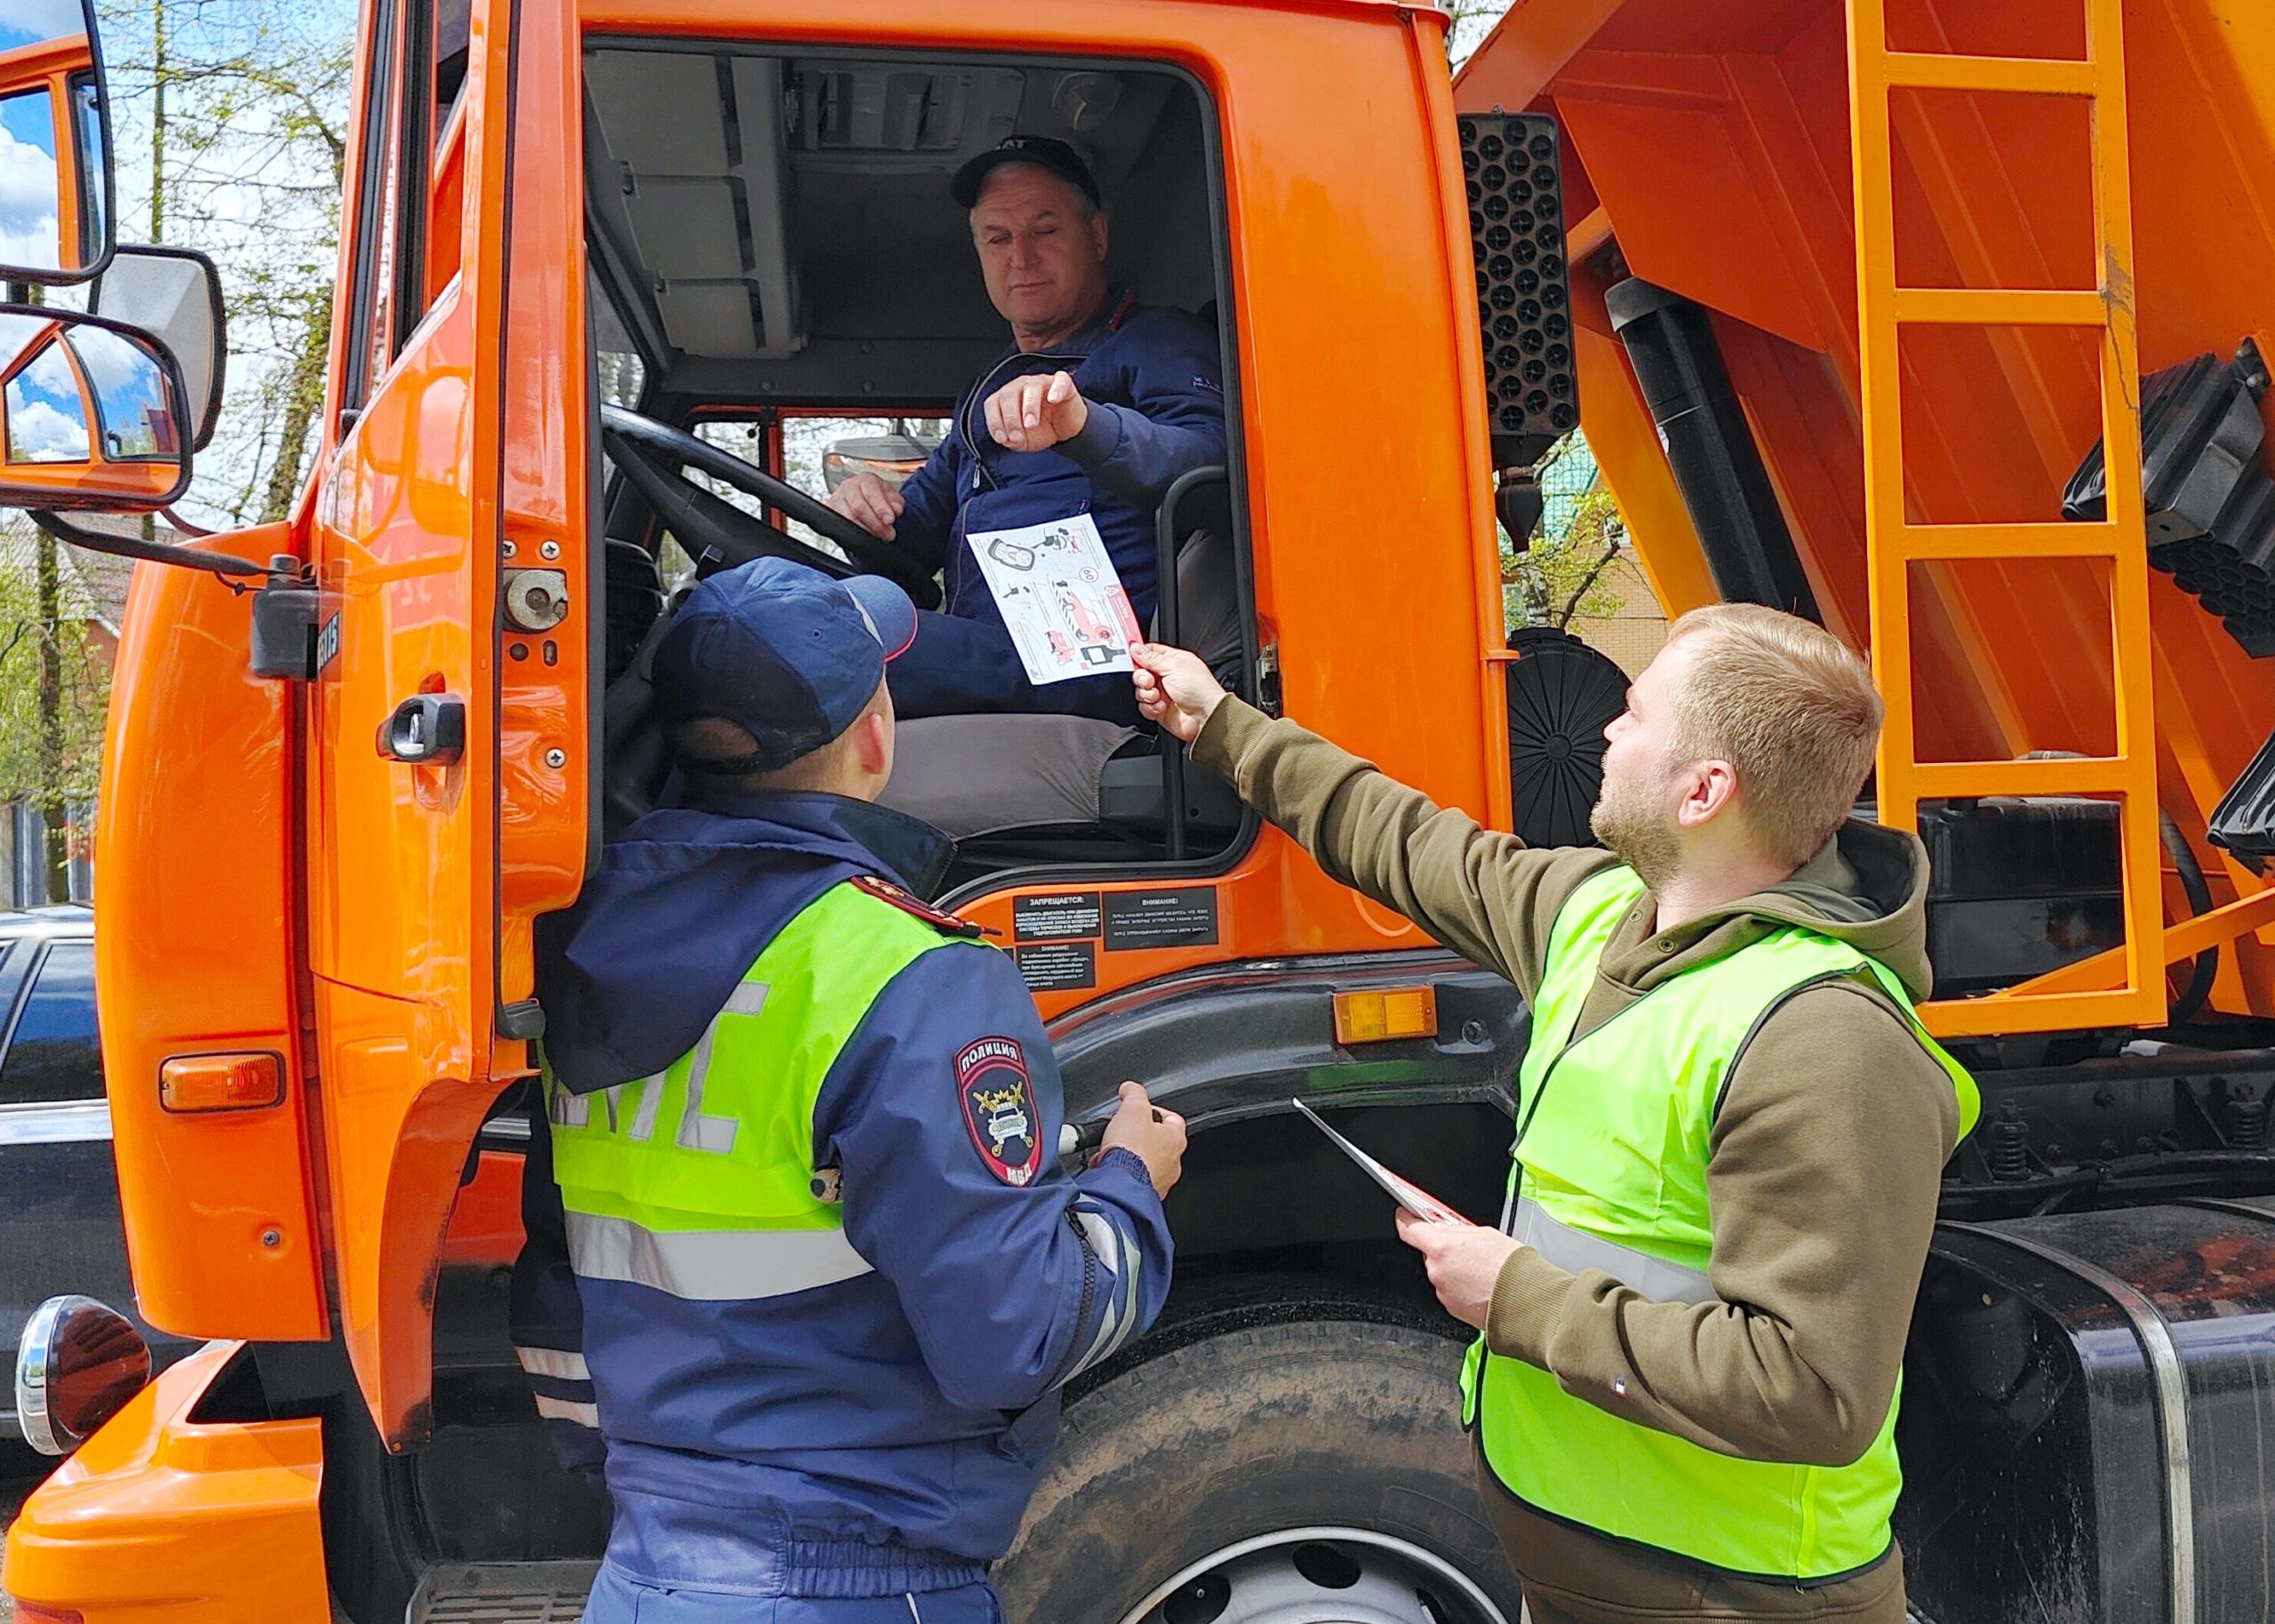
(232, 118)
(1469, 21)
(54, 687)
(1561, 577)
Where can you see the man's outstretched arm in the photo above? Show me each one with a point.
(1484, 894)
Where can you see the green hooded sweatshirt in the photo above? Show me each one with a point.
(1826, 1155)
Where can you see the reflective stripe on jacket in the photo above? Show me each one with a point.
(1613, 1138)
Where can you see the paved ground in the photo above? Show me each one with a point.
(19, 1476)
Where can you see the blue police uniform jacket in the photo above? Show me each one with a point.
(879, 1434)
(1154, 383)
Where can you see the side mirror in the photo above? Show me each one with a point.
(56, 205)
(76, 1366)
(93, 413)
(174, 295)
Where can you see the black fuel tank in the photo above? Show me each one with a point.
(2089, 1424)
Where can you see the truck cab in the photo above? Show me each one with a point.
(602, 272)
(609, 270)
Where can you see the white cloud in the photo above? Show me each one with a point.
(15, 332)
(38, 432)
(30, 233)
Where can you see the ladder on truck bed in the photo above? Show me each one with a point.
(1894, 544)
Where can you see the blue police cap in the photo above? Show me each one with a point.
(783, 652)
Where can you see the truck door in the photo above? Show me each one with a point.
(446, 794)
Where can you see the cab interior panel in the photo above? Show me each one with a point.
(778, 228)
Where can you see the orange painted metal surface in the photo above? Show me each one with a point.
(193, 838)
(403, 858)
(447, 204)
(1976, 289)
(1716, 143)
(545, 770)
(486, 1221)
(162, 1518)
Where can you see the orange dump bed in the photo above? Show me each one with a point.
(1709, 150)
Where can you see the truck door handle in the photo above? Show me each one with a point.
(426, 729)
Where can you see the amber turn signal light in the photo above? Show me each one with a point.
(1380, 1016)
(221, 1082)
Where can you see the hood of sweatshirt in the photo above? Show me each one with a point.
(1867, 886)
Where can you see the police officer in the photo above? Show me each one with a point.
(806, 1272)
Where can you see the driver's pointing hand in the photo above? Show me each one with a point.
(1034, 413)
(1031, 413)
(1098, 407)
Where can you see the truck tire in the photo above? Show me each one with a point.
(1298, 1468)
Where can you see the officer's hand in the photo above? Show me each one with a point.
(1035, 413)
(1175, 690)
(870, 503)
(1463, 1260)
(1157, 1136)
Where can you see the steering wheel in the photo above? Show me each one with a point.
(654, 456)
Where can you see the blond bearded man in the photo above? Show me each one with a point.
(1731, 1128)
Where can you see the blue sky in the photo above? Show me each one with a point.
(128, 389)
(27, 22)
(29, 224)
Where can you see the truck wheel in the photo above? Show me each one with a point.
(1312, 1468)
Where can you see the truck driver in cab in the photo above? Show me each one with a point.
(1096, 408)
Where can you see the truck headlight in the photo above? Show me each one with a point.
(76, 1366)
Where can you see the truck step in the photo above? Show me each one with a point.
(502, 1593)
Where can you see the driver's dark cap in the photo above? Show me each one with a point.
(1056, 156)
(783, 652)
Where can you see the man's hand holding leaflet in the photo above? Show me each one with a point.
(1410, 1196)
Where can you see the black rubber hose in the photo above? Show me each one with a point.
(2199, 903)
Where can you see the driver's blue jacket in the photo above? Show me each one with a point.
(1155, 386)
(849, 1389)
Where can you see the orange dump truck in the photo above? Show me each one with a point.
(1937, 319)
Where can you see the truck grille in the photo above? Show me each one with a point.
(503, 1593)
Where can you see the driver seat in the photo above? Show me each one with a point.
(994, 773)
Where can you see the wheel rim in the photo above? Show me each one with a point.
(1320, 1576)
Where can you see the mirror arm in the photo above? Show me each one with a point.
(153, 552)
(195, 532)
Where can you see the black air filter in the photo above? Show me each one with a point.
(1512, 164)
(1562, 695)
(2210, 505)
(2231, 570)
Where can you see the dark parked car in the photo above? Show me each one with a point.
(59, 1227)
